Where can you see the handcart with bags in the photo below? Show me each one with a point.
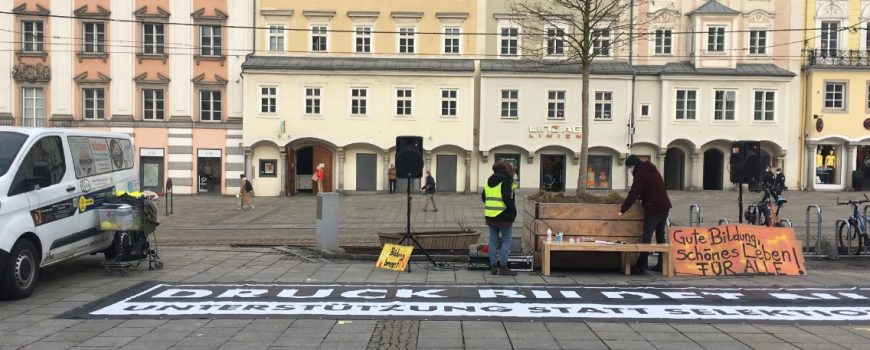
(132, 219)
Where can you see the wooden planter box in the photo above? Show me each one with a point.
(435, 239)
(597, 221)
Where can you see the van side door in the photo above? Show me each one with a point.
(44, 178)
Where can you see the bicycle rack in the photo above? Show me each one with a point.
(695, 218)
(837, 237)
(723, 221)
(818, 211)
(786, 223)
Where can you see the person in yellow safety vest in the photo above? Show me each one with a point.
(500, 210)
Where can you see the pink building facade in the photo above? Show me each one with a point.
(165, 72)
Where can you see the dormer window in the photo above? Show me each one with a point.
(601, 42)
(716, 39)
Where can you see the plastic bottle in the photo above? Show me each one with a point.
(549, 235)
(559, 238)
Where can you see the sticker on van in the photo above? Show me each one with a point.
(53, 212)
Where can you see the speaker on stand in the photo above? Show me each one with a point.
(409, 166)
(746, 168)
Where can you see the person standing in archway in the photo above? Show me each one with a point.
(318, 176)
(650, 188)
(391, 173)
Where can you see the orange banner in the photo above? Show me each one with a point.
(728, 250)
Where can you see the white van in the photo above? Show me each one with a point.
(51, 180)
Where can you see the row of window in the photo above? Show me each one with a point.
(362, 41)
(210, 39)
(94, 105)
(836, 93)
(404, 98)
(685, 109)
(94, 38)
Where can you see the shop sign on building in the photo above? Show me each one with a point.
(555, 131)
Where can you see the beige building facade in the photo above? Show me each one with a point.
(357, 75)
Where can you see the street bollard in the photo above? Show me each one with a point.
(328, 215)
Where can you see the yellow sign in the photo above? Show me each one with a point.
(394, 257)
(84, 203)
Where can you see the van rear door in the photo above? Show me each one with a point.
(51, 195)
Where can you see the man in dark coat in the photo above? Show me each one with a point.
(650, 188)
(500, 211)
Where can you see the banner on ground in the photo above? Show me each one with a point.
(736, 249)
(616, 303)
(394, 257)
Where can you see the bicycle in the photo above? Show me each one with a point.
(766, 211)
(853, 228)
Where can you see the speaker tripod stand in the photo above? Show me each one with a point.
(410, 237)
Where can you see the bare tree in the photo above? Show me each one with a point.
(577, 32)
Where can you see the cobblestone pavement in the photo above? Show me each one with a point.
(32, 323)
(291, 220)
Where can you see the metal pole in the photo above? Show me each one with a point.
(695, 215)
(818, 212)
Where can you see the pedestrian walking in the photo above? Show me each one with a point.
(500, 210)
(429, 189)
(246, 196)
(391, 173)
(650, 188)
(318, 176)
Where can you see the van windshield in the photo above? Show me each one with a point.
(10, 145)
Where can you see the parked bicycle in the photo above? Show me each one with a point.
(766, 211)
(854, 228)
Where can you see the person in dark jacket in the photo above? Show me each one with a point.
(650, 188)
(500, 210)
(429, 188)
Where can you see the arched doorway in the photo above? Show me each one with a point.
(675, 166)
(301, 164)
(714, 161)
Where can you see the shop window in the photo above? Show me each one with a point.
(514, 159)
(267, 167)
(827, 162)
(598, 173)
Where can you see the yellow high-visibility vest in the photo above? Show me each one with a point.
(494, 205)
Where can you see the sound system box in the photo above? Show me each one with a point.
(745, 163)
(409, 157)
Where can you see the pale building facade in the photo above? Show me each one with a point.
(704, 74)
(836, 96)
(162, 71)
(336, 84)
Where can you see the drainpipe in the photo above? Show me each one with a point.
(633, 81)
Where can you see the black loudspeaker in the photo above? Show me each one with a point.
(409, 157)
(745, 163)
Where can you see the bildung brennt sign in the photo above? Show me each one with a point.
(492, 302)
(736, 250)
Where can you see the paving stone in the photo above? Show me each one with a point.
(672, 345)
(628, 344)
(440, 343)
(582, 344)
(245, 345)
(756, 338)
(574, 335)
(771, 346)
(724, 345)
(629, 335)
(107, 341)
(665, 337)
(487, 343)
(149, 345)
(43, 345)
(343, 346)
(709, 337)
(164, 335)
(542, 342)
(255, 336)
(143, 323)
(695, 328)
(126, 332)
(211, 341)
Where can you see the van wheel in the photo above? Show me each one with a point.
(22, 271)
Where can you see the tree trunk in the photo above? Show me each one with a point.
(584, 125)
